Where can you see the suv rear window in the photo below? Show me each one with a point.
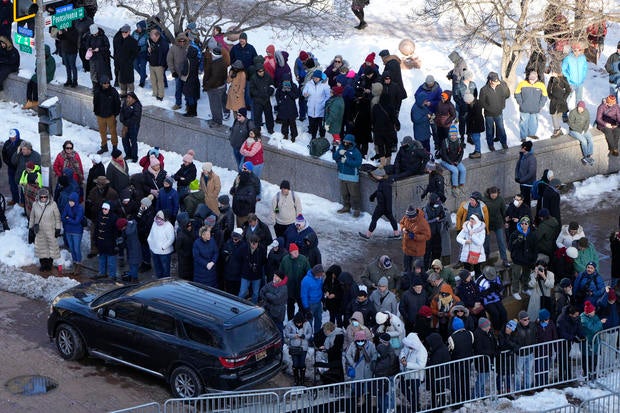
(248, 335)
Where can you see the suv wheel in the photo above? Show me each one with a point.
(69, 343)
(184, 383)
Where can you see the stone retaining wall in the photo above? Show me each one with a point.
(171, 131)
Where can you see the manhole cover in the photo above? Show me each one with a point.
(30, 385)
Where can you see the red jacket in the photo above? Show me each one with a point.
(253, 153)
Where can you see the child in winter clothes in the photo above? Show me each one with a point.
(252, 150)
(286, 95)
(71, 218)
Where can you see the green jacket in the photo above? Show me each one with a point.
(334, 114)
(295, 270)
(447, 275)
(497, 212)
(584, 257)
(589, 327)
(50, 66)
(546, 234)
(579, 122)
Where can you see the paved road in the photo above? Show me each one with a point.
(87, 386)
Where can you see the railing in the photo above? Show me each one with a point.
(606, 359)
(538, 366)
(153, 407)
(257, 402)
(437, 387)
(445, 385)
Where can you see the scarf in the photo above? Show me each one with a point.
(71, 162)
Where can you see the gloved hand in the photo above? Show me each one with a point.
(343, 159)
(411, 235)
(210, 265)
(342, 151)
(57, 233)
(371, 198)
(175, 75)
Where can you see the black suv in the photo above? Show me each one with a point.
(193, 336)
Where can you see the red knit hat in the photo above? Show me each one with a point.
(293, 247)
(337, 90)
(303, 56)
(121, 223)
(370, 58)
(588, 307)
(425, 311)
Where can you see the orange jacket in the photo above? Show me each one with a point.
(461, 215)
(418, 226)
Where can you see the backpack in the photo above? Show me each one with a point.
(534, 193)
(318, 147)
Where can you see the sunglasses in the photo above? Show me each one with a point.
(43, 197)
(525, 319)
(337, 61)
(68, 147)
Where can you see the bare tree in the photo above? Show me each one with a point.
(305, 19)
(518, 27)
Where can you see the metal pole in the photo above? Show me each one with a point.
(39, 39)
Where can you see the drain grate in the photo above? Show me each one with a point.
(30, 385)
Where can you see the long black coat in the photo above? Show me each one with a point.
(558, 89)
(106, 233)
(287, 108)
(485, 344)
(191, 87)
(68, 40)
(125, 52)
(244, 192)
(383, 123)
(101, 59)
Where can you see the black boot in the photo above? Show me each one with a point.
(102, 150)
(302, 376)
(42, 264)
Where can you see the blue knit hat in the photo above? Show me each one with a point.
(249, 166)
(454, 130)
(544, 315)
(349, 138)
(317, 73)
(512, 324)
(457, 324)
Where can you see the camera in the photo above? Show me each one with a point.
(541, 268)
(276, 210)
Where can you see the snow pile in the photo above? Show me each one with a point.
(597, 191)
(32, 286)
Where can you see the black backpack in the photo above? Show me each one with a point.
(318, 147)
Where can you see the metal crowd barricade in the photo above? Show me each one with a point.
(445, 385)
(153, 407)
(537, 366)
(606, 361)
(361, 396)
(604, 404)
(567, 408)
(248, 402)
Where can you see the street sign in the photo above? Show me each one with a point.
(25, 49)
(63, 20)
(63, 9)
(24, 31)
(23, 40)
(23, 10)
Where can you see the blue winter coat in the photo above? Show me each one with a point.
(421, 122)
(349, 163)
(589, 286)
(204, 253)
(525, 170)
(72, 216)
(432, 94)
(168, 201)
(292, 236)
(575, 69)
(245, 54)
(311, 289)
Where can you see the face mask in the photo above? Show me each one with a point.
(355, 323)
(544, 324)
(436, 206)
(360, 343)
(516, 203)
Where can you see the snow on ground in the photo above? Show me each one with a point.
(600, 191)
(433, 46)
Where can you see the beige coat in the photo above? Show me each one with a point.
(48, 218)
(211, 189)
(236, 98)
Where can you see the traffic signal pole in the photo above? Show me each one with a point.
(44, 137)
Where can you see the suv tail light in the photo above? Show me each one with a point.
(231, 363)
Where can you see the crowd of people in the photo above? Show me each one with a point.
(386, 320)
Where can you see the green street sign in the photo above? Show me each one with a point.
(63, 20)
(23, 40)
(25, 49)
